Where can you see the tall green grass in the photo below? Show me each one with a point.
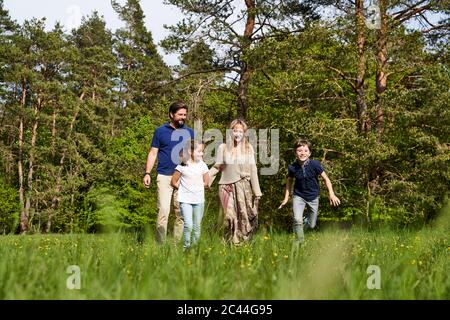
(331, 265)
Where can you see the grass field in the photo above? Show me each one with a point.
(332, 265)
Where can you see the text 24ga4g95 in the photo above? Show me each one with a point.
(247, 309)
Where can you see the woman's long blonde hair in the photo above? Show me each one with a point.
(245, 140)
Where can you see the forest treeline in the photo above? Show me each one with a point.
(369, 89)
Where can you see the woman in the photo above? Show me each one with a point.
(238, 184)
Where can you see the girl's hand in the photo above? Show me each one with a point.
(283, 203)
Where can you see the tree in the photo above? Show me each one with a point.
(197, 84)
(295, 89)
(90, 116)
(7, 131)
(34, 76)
(392, 15)
(220, 24)
(141, 69)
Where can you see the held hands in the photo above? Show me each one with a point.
(334, 201)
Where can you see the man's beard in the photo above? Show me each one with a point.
(178, 123)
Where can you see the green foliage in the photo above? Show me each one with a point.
(77, 112)
(126, 160)
(105, 211)
(9, 208)
(199, 58)
(118, 199)
(298, 92)
(141, 68)
(65, 99)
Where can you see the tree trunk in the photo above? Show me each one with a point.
(242, 91)
(31, 156)
(376, 168)
(381, 76)
(94, 88)
(23, 216)
(54, 133)
(361, 106)
(246, 70)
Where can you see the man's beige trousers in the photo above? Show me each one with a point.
(165, 194)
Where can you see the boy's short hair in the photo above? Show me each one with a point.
(302, 142)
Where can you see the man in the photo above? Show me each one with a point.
(168, 141)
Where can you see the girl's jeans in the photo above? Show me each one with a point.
(192, 216)
(299, 205)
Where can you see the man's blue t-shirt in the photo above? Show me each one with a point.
(167, 139)
(306, 177)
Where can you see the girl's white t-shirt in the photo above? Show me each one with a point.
(192, 188)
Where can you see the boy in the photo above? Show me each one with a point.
(306, 172)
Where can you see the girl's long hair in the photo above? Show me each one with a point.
(188, 150)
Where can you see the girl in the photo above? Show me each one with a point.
(190, 178)
(238, 183)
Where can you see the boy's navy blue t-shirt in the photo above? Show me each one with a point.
(306, 178)
(167, 139)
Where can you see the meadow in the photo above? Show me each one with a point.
(333, 264)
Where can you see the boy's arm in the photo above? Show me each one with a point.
(334, 201)
(286, 192)
(175, 182)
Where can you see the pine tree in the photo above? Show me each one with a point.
(141, 69)
(219, 25)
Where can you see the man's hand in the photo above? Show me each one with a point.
(334, 201)
(151, 158)
(147, 180)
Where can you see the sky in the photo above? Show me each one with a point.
(70, 12)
